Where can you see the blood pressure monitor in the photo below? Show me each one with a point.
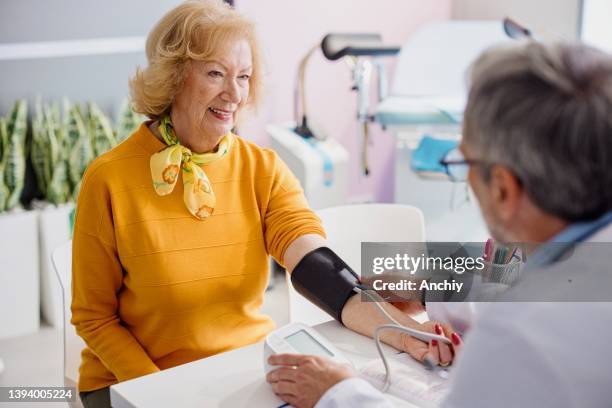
(298, 338)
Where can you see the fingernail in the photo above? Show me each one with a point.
(434, 342)
(438, 328)
(456, 339)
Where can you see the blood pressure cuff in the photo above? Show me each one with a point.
(326, 280)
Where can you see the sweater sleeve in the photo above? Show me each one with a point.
(287, 216)
(97, 278)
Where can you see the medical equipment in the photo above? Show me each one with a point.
(421, 335)
(321, 166)
(427, 97)
(298, 338)
(321, 163)
(302, 339)
(335, 46)
(355, 47)
(326, 280)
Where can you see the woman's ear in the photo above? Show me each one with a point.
(506, 192)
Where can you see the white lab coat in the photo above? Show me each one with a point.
(530, 354)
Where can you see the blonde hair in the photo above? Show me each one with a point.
(194, 30)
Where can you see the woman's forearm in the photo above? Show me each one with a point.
(364, 317)
(360, 316)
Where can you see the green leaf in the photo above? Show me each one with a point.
(14, 170)
(82, 152)
(128, 121)
(102, 137)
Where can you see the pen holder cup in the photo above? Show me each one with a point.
(505, 273)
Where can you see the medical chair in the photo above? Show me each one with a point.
(61, 258)
(427, 97)
(347, 226)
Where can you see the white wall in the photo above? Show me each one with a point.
(100, 78)
(550, 19)
(596, 28)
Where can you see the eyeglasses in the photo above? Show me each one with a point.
(457, 166)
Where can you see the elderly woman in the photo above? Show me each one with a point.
(175, 225)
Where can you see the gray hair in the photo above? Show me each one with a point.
(545, 112)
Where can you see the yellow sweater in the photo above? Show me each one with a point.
(152, 286)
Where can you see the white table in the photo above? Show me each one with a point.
(232, 379)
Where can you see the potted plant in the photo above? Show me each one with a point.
(62, 148)
(53, 139)
(19, 278)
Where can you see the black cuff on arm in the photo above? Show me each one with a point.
(326, 280)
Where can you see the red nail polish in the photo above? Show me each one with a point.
(456, 339)
(434, 342)
(438, 328)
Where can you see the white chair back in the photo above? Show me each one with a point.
(347, 227)
(61, 258)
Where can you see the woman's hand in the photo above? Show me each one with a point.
(437, 353)
(302, 380)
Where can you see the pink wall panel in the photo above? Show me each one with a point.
(287, 29)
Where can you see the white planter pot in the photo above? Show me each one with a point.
(19, 278)
(54, 229)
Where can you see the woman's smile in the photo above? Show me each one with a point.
(220, 114)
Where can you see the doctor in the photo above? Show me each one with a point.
(537, 150)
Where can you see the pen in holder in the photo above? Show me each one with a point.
(503, 263)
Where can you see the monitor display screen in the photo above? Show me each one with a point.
(306, 344)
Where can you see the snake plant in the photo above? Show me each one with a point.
(82, 152)
(4, 191)
(98, 138)
(13, 155)
(62, 147)
(49, 153)
(38, 147)
(128, 121)
(102, 136)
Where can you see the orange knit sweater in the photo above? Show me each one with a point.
(152, 286)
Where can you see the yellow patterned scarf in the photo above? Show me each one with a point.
(165, 164)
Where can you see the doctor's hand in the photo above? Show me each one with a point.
(302, 380)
